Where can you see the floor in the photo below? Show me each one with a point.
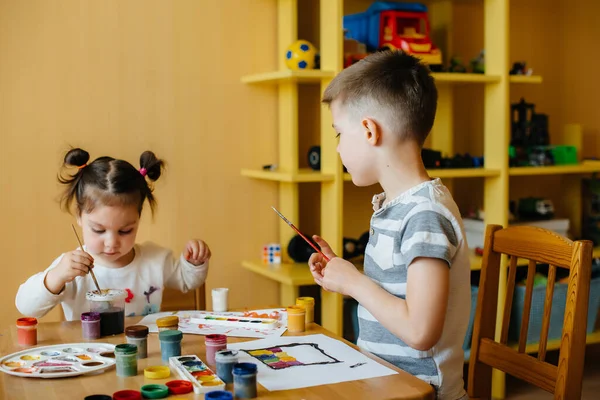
(519, 390)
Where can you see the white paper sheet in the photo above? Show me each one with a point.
(186, 327)
(324, 361)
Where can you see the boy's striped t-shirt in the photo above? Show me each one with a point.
(422, 222)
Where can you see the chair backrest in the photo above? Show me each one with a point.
(537, 246)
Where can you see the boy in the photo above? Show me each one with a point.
(414, 296)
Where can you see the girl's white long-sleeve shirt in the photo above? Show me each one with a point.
(153, 269)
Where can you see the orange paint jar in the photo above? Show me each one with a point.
(309, 306)
(27, 331)
(296, 318)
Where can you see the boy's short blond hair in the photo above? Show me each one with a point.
(394, 83)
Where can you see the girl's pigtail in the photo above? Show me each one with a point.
(150, 165)
(74, 158)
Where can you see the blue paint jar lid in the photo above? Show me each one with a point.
(218, 395)
(244, 368)
(170, 335)
(125, 349)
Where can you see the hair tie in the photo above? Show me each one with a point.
(82, 166)
(143, 171)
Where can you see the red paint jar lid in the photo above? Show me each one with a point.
(179, 387)
(216, 339)
(127, 395)
(28, 321)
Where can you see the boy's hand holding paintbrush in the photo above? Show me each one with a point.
(340, 276)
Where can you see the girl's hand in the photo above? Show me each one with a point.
(73, 264)
(196, 252)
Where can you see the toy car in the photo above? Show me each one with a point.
(391, 25)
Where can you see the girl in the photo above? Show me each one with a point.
(109, 195)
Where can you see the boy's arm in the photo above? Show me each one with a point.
(426, 244)
(419, 320)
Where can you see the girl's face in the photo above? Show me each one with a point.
(109, 233)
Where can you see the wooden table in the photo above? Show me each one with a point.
(397, 386)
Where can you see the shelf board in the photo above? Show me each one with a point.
(453, 173)
(591, 338)
(303, 175)
(585, 167)
(525, 79)
(309, 75)
(296, 274)
(459, 77)
(521, 262)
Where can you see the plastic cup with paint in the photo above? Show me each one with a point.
(138, 335)
(309, 306)
(225, 360)
(244, 380)
(170, 343)
(90, 325)
(296, 318)
(214, 343)
(27, 331)
(110, 303)
(126, 359)
(219, 299)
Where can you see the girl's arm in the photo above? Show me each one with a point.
(190, 270)
(33, 297)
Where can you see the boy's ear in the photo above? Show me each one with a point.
(372, 131)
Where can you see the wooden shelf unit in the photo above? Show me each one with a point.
(496, 174)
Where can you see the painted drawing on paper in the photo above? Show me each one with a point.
(292, 355)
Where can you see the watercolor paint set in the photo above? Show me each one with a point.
(235, 321)
(60, 361)
(192, 369)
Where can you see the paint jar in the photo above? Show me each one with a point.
(27, 331)
(309, 306)
(225, 360)
(214, 343)
(296, 318)
(244, 380)
(127, 395)
(218, 395)
(170, 343)
(110, 303)
(219, 299)
(138, 335)
(126, 359)
(168, 323)
(90, 325)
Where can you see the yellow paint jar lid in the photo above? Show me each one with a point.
(167, 321)
(157, 372)
(296, 310)
(309, 301)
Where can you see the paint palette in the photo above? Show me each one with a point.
(59, 361)
(235, 321)
(192, 369)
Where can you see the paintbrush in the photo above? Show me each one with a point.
(300, 233)
(91, 270)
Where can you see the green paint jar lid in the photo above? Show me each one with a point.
(170, 335)
(125, 349)
(155, 391)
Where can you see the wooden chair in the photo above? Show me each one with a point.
(538, 246)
